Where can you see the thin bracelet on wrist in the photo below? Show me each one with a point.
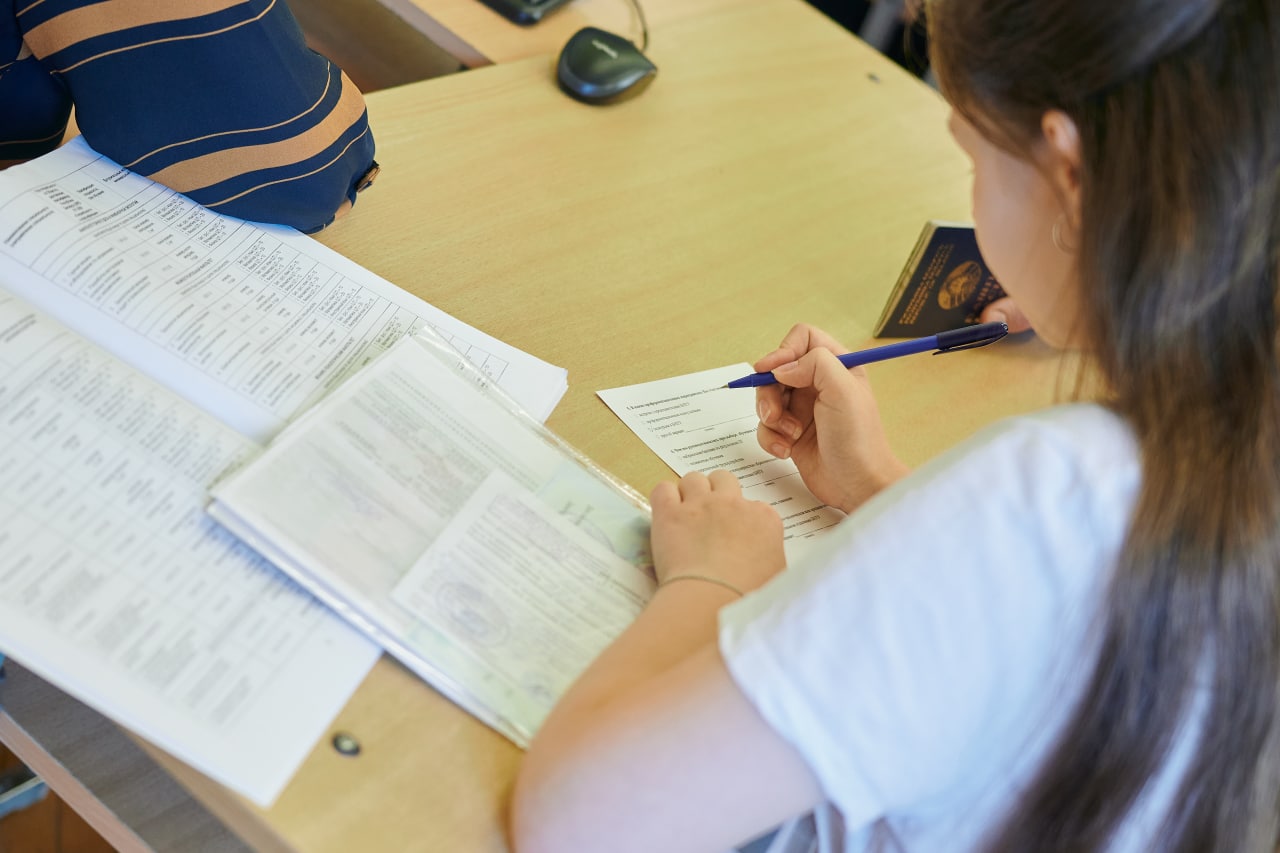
(707, 578)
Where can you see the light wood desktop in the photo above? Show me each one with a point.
(777, 170)
(476, 35)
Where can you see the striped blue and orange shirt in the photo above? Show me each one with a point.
(219, 99)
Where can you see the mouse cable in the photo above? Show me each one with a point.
(644, 25)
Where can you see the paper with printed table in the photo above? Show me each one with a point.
(147, 347)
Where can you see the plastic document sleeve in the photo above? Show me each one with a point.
(476, 546)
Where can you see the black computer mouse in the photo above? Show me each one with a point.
(598, 67)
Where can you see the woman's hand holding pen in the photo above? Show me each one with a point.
(824, 417)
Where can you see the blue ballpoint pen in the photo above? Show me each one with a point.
(969, 337)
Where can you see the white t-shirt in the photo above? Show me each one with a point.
(924, 656)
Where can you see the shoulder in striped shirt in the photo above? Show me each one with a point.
(218, 99)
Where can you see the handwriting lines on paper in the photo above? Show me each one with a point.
(694, 423)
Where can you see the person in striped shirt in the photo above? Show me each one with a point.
(219, 99)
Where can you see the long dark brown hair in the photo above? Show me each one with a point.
(1178, 107)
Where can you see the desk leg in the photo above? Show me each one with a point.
(98, 770)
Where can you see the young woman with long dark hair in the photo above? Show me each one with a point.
(1063, 634)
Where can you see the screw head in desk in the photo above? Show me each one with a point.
(346, 744)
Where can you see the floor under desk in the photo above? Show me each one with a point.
(48, 826)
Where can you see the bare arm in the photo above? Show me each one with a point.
(655, 747)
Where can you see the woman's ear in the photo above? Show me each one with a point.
(1062, 160)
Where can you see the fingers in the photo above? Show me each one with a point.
(774, 443)
(1005, 310)
(773, 409)
(822, 371)
(826, 379)
(773, 405)
(664, 496)
(725, 481)
(801, 339)
(694, 484)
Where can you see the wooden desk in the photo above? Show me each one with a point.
(476, 35)
(777, 170)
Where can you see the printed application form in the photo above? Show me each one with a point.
(116, 587)
(183, 341)
(252, 322)
(694, 423)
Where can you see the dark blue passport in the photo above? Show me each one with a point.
(945, 285)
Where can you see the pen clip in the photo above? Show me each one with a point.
(991, 337)
(973, 345)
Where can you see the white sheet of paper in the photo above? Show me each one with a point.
(251, 322)
(521, 599)
(116, 587)
(694, 423)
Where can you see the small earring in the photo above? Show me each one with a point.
(1056, 235)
